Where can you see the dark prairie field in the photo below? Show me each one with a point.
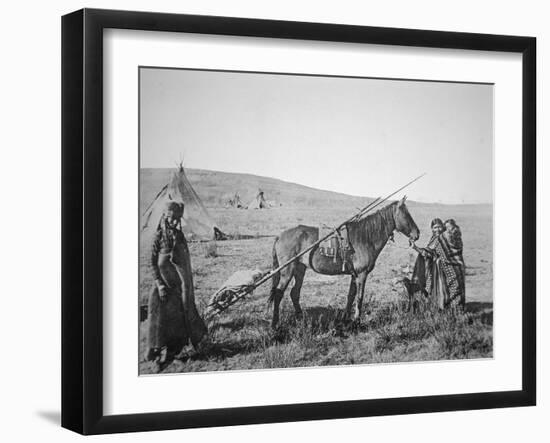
(242, 338)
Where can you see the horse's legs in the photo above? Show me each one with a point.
(299, 273)
(361, 279)
(278, 292)
(369, 297)
(351, 297)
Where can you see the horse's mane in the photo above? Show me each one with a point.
(376, 226)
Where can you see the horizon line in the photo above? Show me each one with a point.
(317, 189)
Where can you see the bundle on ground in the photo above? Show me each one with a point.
(240, 283)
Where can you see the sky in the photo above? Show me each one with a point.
(358, 136)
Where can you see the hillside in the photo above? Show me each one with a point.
(215, 188)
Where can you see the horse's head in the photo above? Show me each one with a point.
(404, 222)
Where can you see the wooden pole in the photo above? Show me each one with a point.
(375, 203)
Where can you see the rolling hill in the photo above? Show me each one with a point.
(215, 188)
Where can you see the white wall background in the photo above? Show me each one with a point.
(30, 223)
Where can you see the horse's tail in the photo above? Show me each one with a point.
(277, 277)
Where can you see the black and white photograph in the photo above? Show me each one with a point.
(294, 221)
(266, 222)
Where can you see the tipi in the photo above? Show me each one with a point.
(258, 202)
(236, 201)
(197, 224)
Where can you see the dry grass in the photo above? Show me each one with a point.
(210, 249)
(242, 337)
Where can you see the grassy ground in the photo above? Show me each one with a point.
(241, 338)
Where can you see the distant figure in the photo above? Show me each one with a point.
(258, 202)
(173, 316)
(439, 271)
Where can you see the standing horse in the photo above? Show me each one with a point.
(367, 237)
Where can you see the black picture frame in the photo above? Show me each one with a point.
(82, 215)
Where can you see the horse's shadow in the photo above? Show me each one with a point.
(318, 319)
(328, 319)
(322, 315)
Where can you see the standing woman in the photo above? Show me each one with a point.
(439, 270)
(173, 316)
(422, 276)
(451, 248)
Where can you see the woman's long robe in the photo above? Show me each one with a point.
(174, 321)
(441, 272)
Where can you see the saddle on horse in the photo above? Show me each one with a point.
(337, 247)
